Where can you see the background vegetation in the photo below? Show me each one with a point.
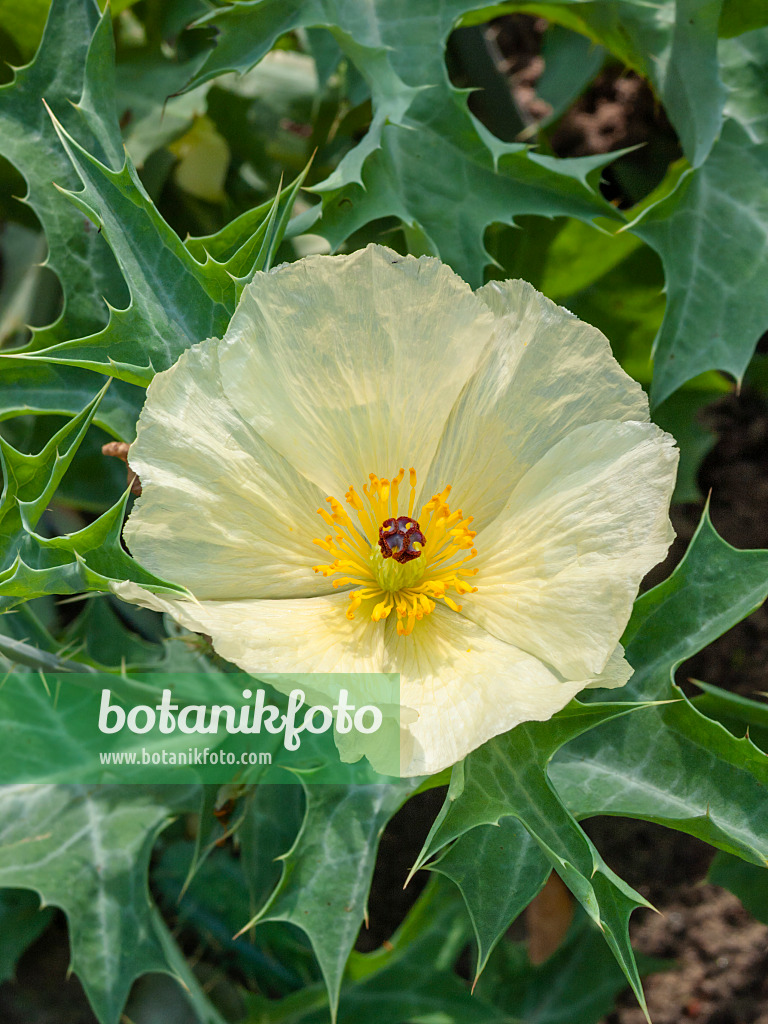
(140, 169)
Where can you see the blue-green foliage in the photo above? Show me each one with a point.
(360, 110)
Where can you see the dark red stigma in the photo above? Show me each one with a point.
(397, 537)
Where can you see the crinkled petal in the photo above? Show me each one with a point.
(466, 686)
(221, 513)
(459, 686)
(349, 365)
(545, 373)
(305, 635)
(560, 566)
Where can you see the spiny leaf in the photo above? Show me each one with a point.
(677, 768)
(47, 388)
(424, 153)
(31, 480)
(671, 764)
(713, 588)
(716, 306)
(411, 979)
(327, 873)
(248, 243)
(77, 254)
(243, 264)
(175, 302)
(671, 42)
(270, 825)
(507, 777)
(578, 984)
(740, 715)
(498, 870)
(86, 850)
(90, 559)
(32, 565)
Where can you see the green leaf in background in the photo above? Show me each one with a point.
(498, 870)
(24, 24)
(99, 634)
(740, 16)
(578, 984)
(747, 881)
(508, 777)
(410, 980)
(22, 920)
(86, 850)
(327, 872)
(424, 153)
(680, 415)
(30, 481)
(39, 387)
(249, 243)
(571, 61)
(711, 234)
(26, 293)
(672, 43)
(26, 298)
(175, 302)
(742, 66)
(213, 906)
(89, 559)
(740, 715)
(77, 254)
(714, 587)
(673, 765)
(32, 565)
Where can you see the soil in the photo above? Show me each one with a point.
(722, 957)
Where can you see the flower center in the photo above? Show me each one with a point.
(394, 561)
(401, 539)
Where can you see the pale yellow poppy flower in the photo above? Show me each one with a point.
(490, 492)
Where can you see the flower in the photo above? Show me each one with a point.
(490, 492)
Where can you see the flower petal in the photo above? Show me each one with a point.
(617, 672)
(459, 686)
(560, 566)
(221, 512)
(349, 365)
(307, 635)
(466, 686)
(545, 374)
